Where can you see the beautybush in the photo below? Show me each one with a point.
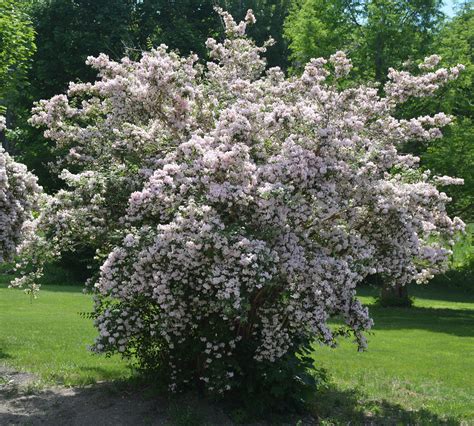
(19, 193)
(235, 210)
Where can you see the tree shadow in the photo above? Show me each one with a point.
(109, 404)
(457, 322)
(105, 374)
(448, 288)
(53, 288)
(336, 406)
(104, 404)
(3, 354)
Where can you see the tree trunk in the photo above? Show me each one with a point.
(394, 295)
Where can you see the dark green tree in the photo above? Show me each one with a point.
(271, 16)
(397, 30)
(16, 48)
(453, 154)
(67, 31)
(70, 30)
(181, 25)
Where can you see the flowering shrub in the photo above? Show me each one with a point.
(18, 196)
(234, 210)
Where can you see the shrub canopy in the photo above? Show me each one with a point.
(235, 210)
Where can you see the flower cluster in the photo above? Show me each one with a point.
(235, 209)
(19, 193)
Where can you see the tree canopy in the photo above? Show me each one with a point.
(16, 47)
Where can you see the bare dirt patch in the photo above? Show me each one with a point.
(22, 402)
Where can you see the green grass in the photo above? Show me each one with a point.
(48, 337)
(419, 366)
(418, 369)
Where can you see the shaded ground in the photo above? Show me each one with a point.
(70, 406)
(22, 402)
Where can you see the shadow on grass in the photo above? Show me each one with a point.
(446, 289)
(119, 404)
(335, 406)
(457, 322)
(59, 288)
(3, 354)
(443, 288)
(105, 374)
(54, 288)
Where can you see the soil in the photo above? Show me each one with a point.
(23, 402)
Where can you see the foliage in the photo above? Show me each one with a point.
(317, 28)
(235, 211)
(455, 156)
(463, 251)
(397, 30)
(281, 386)
(16, 47)
(67, 31)
(182, 25)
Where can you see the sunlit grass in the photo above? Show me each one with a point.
(418, 359)
(48, 337)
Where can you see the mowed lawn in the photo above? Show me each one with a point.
(48, 336)
(419, 367)
(418, 359)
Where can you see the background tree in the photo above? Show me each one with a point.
(455, 154)
(317, 28)
(378, 34)
(394, 31)
(70, 30)
(67, 31)
(185, 25)
(16, 48)
(182, 25)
